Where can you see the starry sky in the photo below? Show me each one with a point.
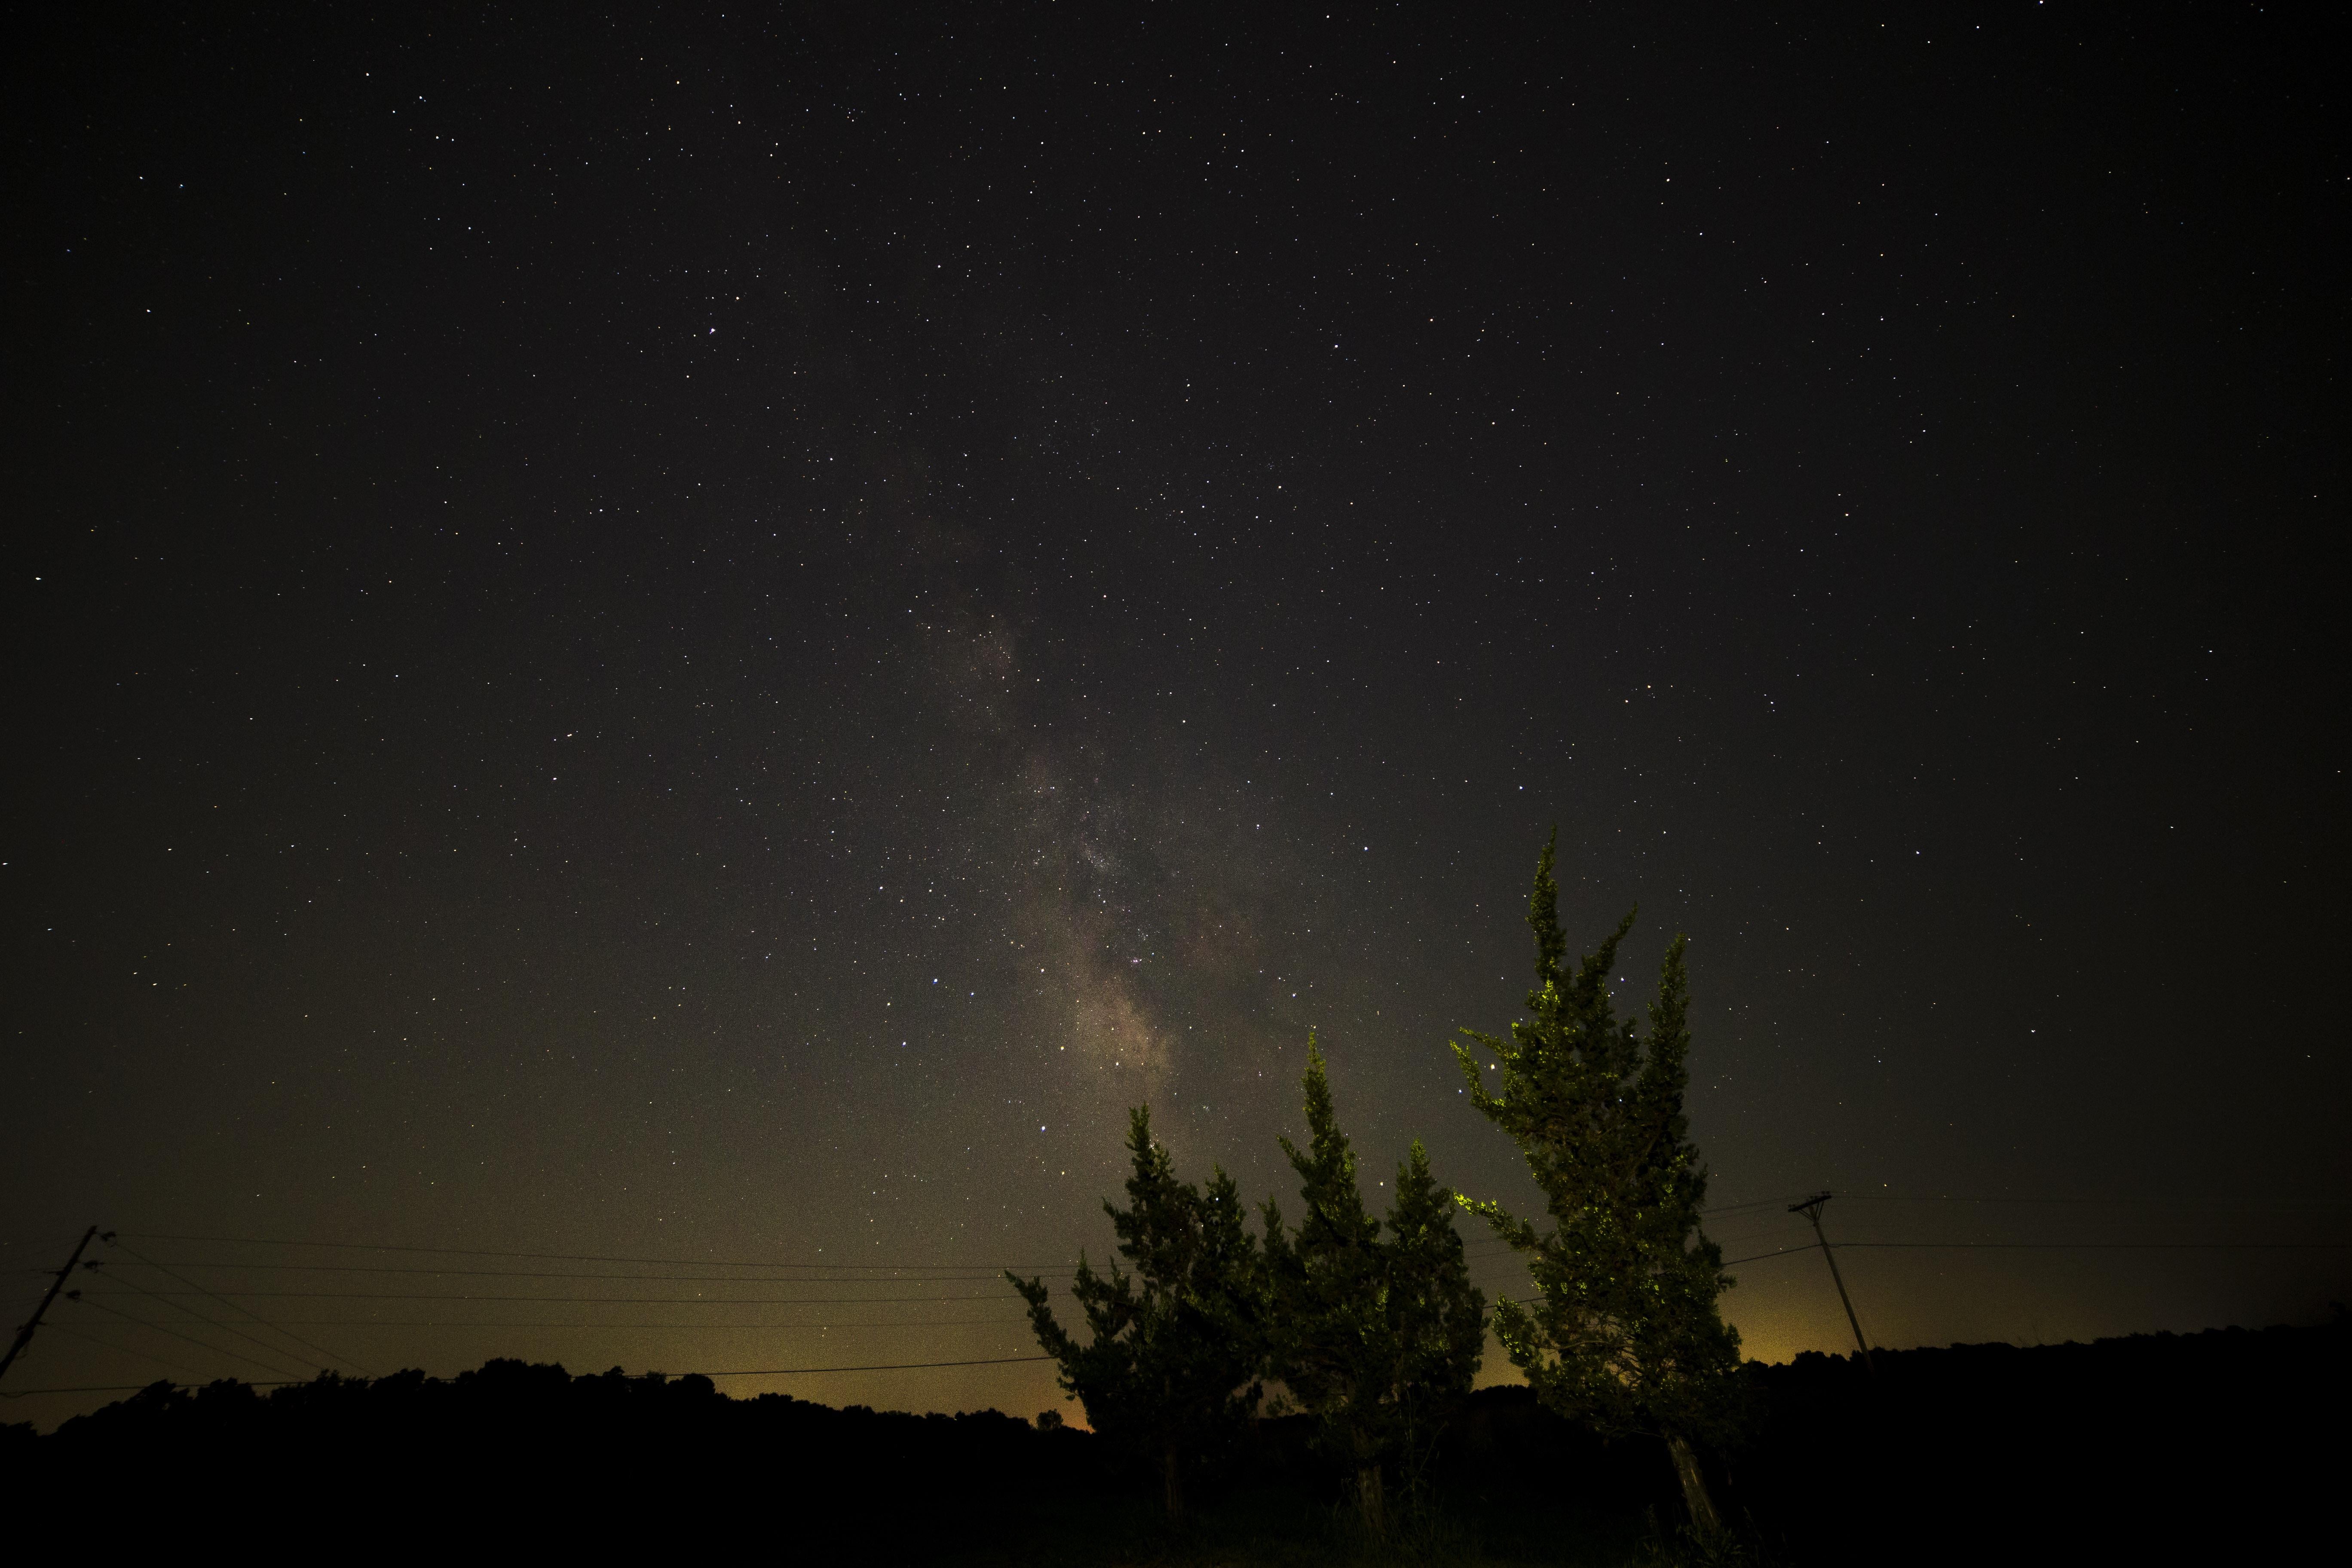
(666, 653)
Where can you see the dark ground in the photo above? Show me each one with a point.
(2222, 1445)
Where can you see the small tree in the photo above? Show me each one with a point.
(1625, 1334)
(1437, 1319)
(1377, 1339)
(1174, 1349)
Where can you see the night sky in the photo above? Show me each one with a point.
(715, 638)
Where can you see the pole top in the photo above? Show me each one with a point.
(1811, 1207)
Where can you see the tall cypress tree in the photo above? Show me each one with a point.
(1625, 1333)
(1172, 1362)
(1379, 1339)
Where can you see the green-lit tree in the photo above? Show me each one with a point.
(1379, 1339)
(1625, 1334)
(1171, 1366)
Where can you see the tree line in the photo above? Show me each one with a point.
(2198, 1448)
(1372, 1325)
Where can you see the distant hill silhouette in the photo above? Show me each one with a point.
(2222, 1441)
(2226, 1443)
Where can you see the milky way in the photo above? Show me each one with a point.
(719, 639)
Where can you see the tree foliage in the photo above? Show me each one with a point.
(1379, 1339)
(1171, 1365)
(1624, 1334)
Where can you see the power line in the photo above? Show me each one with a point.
(895, 1366)
(839, 1272)
(1486, 1238)
(1742, 1207)
(2106, 1203)
(598, 1258)
(330, 1355)
(2069, 1246)
(121, 1350)
(2119, 1246)
(560, 1274)
(201, 1344)
(215, 1323)
(579, 1300)
(686, 1328)
(762, 1372)
(134, 1387)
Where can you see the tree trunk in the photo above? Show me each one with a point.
(1704, 1520)
(1172, 1482)
(1371, 1502)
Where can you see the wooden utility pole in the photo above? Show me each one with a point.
(24, 1334)
(1811, 1209)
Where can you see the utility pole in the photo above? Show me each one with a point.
(24, 1334)
(1811, 1209)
